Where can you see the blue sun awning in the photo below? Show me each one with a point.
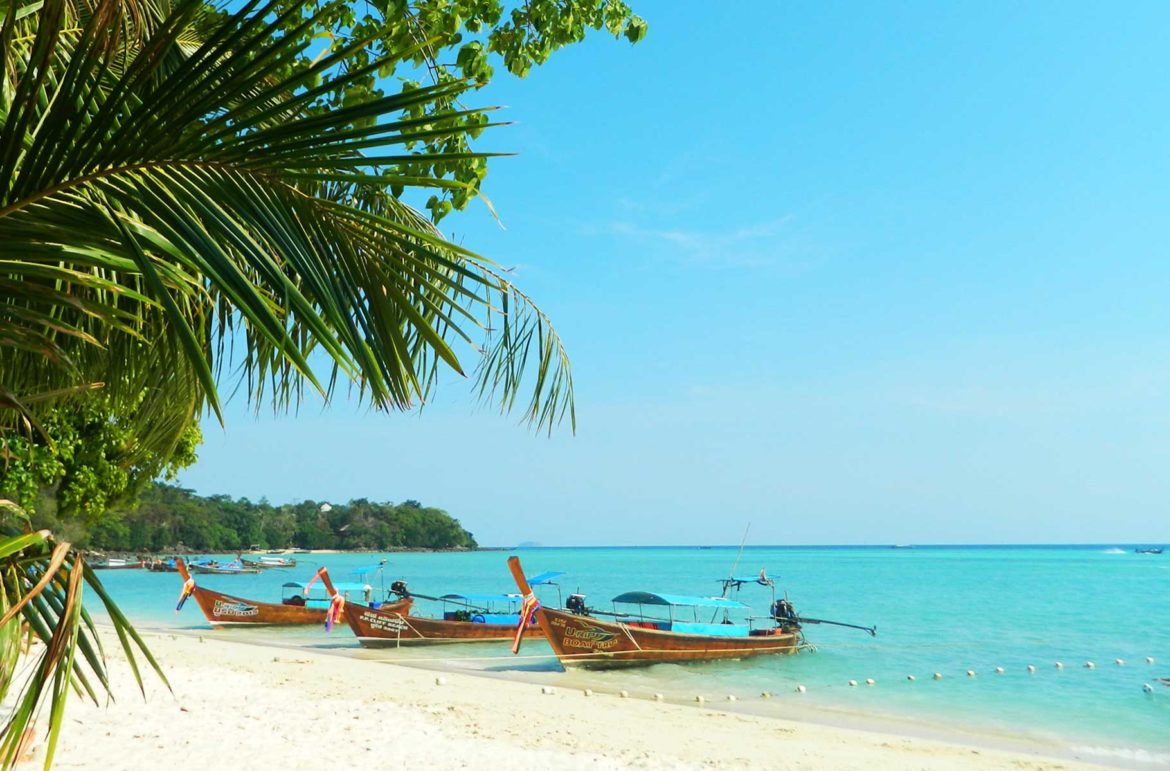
(318, 589)
(544, 578)
(656, 598)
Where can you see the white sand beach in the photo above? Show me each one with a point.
(262, 707)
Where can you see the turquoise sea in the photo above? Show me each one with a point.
(939, 609)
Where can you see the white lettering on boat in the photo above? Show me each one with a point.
(384, 623)
(590, 637)
(224, 608)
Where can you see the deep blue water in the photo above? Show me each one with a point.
(937, 609)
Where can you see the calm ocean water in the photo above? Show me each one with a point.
(937, 609)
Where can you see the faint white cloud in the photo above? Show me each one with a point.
(745, 246)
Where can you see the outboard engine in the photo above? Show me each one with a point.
(576, 604)
(399, 588)
(782, 610)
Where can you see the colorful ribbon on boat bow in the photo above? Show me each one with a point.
(187, 590)
(333, 615)
(528, 607)
(313, 580)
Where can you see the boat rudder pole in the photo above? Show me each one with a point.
(871, 629)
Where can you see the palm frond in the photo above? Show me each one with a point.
(192, 201)
(41, 587)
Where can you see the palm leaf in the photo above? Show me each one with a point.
(196, 198)
(41, 585)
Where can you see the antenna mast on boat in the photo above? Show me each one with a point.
(735, 564)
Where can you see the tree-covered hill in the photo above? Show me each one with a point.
(168, 517)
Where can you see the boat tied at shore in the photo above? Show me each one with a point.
(465, 617)
(297, 605)
(119, 563)
(217, 568)
(579, 638)
(267, 562)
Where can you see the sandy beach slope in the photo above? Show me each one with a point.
(238, 705)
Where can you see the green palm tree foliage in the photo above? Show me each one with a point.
(41, 612)
(179, 205)
(176, 199)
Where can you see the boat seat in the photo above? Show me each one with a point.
(714, 630)
(496, 618)
(663, 626)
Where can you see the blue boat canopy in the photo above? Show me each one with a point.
(342, 587)
(482, 598)
(745, 579)
(544, 578)
(654, 598)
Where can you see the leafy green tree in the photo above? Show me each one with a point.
(170, 517)
(460, 41)
(88, 460)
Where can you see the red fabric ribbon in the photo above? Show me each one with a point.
(333, 615)
(320, 572)
(528, 608)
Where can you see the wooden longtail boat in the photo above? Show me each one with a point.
(579, 639)
(391, 627)
(297, 608)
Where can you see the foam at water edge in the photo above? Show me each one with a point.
(1124, 753)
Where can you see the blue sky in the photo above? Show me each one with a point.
(853, 272)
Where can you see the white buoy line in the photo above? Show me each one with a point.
(801, 688)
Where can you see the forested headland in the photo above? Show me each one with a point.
(169, 518)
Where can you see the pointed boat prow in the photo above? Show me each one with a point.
(522, 584)
(323, 574)
(518, 575)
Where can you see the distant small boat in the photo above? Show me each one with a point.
(901, 546)
(211, 567)
(163, 565)
(117, 563)
(267, 562)
(1149, 550)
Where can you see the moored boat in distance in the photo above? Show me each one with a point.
(267, 561)
(478, 618)
(163, 565)
(297, 605)
(1148, 550)
(217, 568)
(580, 638)
(118, 563)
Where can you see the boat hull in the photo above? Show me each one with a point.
(268, 564)
(222, 571)
(228, 610)
(387, 627)
(584, 641)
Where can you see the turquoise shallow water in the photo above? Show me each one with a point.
(937, 609)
